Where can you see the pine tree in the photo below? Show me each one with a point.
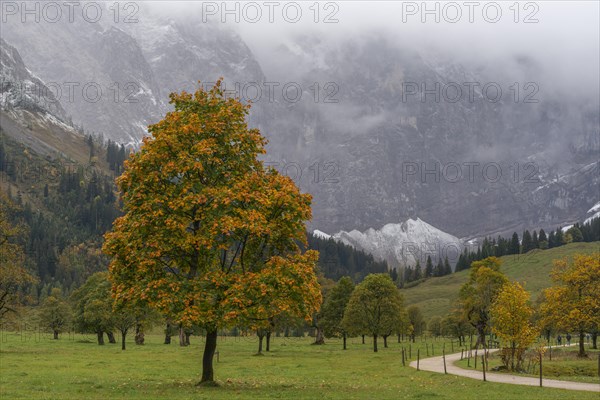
(428, 267)
(514, 244)
(447, 267)
(527, 242)
(536, 243)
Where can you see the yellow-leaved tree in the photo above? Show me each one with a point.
(210, 236)
(511, 322)
(573, 303)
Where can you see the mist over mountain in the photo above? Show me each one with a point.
(386, 128)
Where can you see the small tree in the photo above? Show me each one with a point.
(511, 321)
(476, 296)
(415, 316)
(375, 307)
(93, 306)
(574, 302)
(55, 313)
(435, 326)
(332, 312)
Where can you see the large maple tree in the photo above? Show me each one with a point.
(210, 236)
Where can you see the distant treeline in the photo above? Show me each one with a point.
(587, 232)
(337, 259)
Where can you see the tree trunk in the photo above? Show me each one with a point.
(268, 341)
(344, 338)
(100, 338)
(595, 340)
(139, 334)
(581, 346)
(55, 334)
(260, 343)
(181, 337)
(363, 339)
(385, 341)
(375, 343)
(123, 335)
(187, 338)
(168, 334)
(111, 337)
(319, 337)
(207, 357)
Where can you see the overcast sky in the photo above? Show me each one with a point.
(562, 36)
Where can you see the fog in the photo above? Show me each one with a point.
(555, 43)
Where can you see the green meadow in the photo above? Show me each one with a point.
(75, 367)
(436, 296)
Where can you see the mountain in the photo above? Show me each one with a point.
(371, 147)
(404, 243)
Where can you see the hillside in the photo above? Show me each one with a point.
(437, 295)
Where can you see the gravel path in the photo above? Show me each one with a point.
(436, 364)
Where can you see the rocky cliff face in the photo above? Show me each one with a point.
(21, 90)
(372, 148)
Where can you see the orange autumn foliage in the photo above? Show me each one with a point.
(210, 236)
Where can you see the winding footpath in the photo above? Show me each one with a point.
(436, 364)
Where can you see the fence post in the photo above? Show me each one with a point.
(403, 362)
(444, 357)
(418, 359)
(541, 369)
(483, 362)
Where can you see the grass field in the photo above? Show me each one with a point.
(436, 296)
(564, 365)
(33, 367)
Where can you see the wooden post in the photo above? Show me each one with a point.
(403, 362)
(469, 359)
(432, 349)
(541, 357)
(409, 351)
(461, 354)
(444, 357)
(483, 361)
(417, 359)
(550, 351)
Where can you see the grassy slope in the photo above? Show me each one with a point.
(41, 368)
(437, 295)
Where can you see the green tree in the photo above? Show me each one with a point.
(332, 312)
(375, 308)
(428, 268)
(527, 244)
(55, 313)
(477, 294)
(93, 306)
(434, 326)
(210, 236)
(514, 247)
(417, 321)
(575, 233)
